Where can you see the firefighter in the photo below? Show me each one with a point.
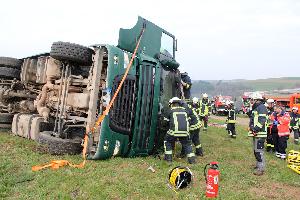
(195, 125)
(178, 130)
(282, 120)
(258, 131)
(295, 124)
(231, 120)
(270, 142)
(203, 110)
(186, 84)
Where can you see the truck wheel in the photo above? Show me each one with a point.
(65, 51)
(58, 146)
(6, 120)
(12, 73)
(10, 62)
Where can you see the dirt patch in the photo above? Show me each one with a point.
(275, 191)
(240, 120)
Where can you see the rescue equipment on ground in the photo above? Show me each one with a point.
(293, 161)
(212, 179)
(180, 177)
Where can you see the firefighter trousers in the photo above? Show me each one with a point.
(205, 120)
(270, 141)
(275, 138)
(282, 145)
(195, 137)
(296, 134)
(231, 129)
(186, 144)
(258, 150)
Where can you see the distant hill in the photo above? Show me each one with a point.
(237, 86)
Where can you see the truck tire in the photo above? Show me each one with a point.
(10, 62)
(6, 120)
(58, 146)
(65, 51)
(6, 72)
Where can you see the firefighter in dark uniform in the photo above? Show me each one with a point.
(231, 120)
(294, 124)
(270, 141)
(178, 130)
(258, 130)
(203, 110)
(195, 125)
(186, 84)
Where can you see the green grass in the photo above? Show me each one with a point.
(121, 178)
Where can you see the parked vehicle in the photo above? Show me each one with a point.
(79, 83)
(219, 107)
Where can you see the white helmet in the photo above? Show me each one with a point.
(182, 70)
(295, 108)
(204, 95)
(270, 101)
(175, 100)
(256, 96)
(195, 100)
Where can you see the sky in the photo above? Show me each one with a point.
(217, 39)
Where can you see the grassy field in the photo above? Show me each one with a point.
(129, 178)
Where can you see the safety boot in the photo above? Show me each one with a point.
(199, 152)
(192, 160)
(168, 158)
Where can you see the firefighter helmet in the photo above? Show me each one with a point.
(174, 100)
(270, 101)
(204, 95)
(295, 108)
(257, 96)
(195, 100)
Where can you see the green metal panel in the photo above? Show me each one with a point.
(150, 42)
(146, 119)
(107, 138)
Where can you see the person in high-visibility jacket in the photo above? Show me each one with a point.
(179, 124)
(282, 120)
(270, 133)
(295, 124)
(195, 125)
(203, 110)
(258, 130)
(231, 120)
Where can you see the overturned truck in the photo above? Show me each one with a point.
(79, 83)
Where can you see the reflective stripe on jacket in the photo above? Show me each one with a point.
(195, 120)
(179, 122)
(231, 118)
(283, 124)
(294, 120)
(203, 108)
(258, 119)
